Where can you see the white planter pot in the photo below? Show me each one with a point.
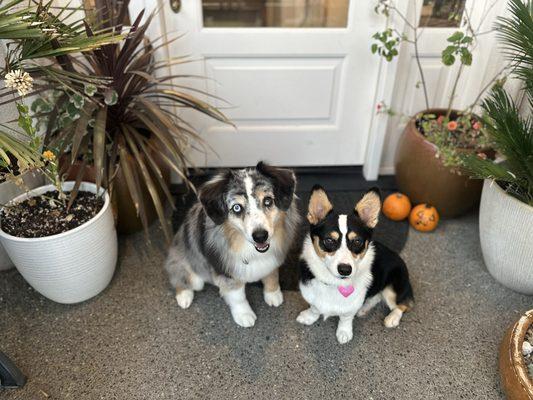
(506, 234)
(8, 191)
(72, 266)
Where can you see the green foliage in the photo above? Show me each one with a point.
(37, 35)
(511, 132)
(386, 44)
(459, 47)
(516, 35)
(453, 136)
(512, 136)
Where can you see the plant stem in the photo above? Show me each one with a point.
(454, 89)
(417, 56)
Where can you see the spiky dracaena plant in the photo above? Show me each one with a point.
(511, 132)
(124, 126)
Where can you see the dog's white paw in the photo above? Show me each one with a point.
(184, 298)
(244, 318)
(273, 299)
(393, 319)
(344, 335)
(307, 317)
(362, 313)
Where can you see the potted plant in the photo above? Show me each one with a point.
(427, 162)
(126, 133)
(34, 37)
(65, 247)
(516, 359)
(506, 210)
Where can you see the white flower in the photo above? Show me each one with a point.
(20, 80)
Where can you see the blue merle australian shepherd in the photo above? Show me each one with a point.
(240, 231)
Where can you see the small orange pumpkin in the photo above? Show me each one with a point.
(424, 218)
(396, 206)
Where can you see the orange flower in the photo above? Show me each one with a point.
(452, 125)
(48, 155)
(476, 126)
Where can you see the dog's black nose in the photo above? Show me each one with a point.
(260, 236)
(344, 269)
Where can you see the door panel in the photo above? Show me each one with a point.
(277, 85)
(297, 95)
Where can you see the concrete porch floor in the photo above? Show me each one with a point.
(132, 341)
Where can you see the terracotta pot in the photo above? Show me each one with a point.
(125, 212)
(513, 371)
(423, 177)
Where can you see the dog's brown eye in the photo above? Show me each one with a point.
(329, 243)
(236, 208)
(268, 201)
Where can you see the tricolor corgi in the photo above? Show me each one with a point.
(343, 272)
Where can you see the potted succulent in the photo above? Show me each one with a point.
(516, 359)
(506, 210)
(125, 135)
(428, 156)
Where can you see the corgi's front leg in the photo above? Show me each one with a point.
(241, 311)
(345, 329)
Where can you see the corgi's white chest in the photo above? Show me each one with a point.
(330, 301)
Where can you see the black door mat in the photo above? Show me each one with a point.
(392, 234)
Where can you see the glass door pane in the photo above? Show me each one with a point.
(442, 13)
(275, 13)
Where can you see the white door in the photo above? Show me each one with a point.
(298, 75)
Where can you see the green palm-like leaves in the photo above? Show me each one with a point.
(510, 131)
(516, 35)
(512, 136)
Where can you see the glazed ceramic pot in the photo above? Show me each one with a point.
(8, 191)
(72, 266)
(515, 379)
(506, 236)
(422, 176)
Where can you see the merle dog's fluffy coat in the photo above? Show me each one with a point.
(240, 231)
(343, 271)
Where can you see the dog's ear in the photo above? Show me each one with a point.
(368, 207)
(319, 205)
(211, 196)
(284, 183)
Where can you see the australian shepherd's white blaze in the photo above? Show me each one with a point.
(240, 231)
(343, 272)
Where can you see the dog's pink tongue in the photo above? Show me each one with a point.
(346, 290)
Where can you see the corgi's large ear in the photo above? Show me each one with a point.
(284, 183)
(368, 207)
(319, 205)
(212, 194)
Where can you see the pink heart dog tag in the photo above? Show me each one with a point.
(346, 290)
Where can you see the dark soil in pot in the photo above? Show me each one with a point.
(45, 215)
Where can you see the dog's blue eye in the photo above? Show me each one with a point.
(268, 201)
(236, 208)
